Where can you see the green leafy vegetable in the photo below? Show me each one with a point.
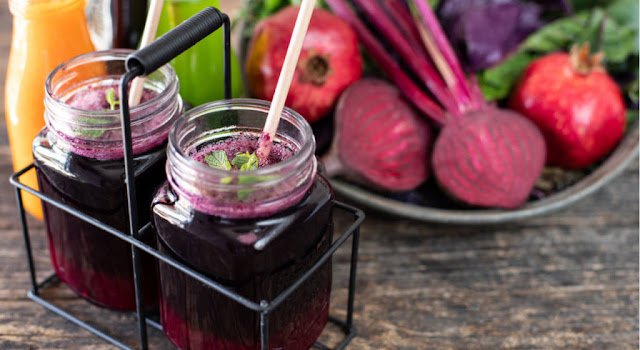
(245, 161)
(250, 180)
(631, 115)
(242, 161)
(94, 134)
(616, 41)
(582, 5)
(634, 91)
(218, 160)
(625, 13)
(110, 95)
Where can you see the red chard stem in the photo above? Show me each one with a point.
(441, 64)
(433, 26)
(401, 16)
(477, 98)
(419, 64)
(416, 96)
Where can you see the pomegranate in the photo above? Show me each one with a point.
(329, 61)
(575, 103)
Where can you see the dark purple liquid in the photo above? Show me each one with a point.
(95, 264)
(228, 251)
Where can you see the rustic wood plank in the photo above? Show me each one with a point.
(565, 280)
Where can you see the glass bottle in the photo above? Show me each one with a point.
(255, 232)
(79, 162)
(45, 34)
(200, 68)
(128, 18)
(116, 23)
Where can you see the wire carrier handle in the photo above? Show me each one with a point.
(179, 39)
(142, 63)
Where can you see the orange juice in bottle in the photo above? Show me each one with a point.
(45, 34)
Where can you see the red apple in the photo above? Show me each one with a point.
(577, 106)
(329, 62)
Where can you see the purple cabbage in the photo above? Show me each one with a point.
(486, 31)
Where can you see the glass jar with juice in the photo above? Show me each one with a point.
(255, 231)
(200, 68)
(79, 162)
(45, 34)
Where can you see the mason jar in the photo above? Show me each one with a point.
(255, 232)
(79, 162)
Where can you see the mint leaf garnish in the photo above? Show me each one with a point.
(240, 159)
(94, 134)
(110, 95)
(249, 180)
(218, 160)
(243, 162)
(244, 194)
(246, 161)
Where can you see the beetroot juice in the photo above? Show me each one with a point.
(255, 232)
(79, 162)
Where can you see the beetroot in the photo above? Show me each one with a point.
(502, 156)
(379, 141)
(483, 156)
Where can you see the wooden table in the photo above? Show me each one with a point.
(567, 280)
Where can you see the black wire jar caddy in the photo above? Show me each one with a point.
(140, 64)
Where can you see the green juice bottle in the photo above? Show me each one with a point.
(200, 68)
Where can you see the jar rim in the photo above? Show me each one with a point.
(98, 133)
(307, 148)
(104, 55)
(219, 192)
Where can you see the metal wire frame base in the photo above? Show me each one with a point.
(48, 282)
(264, 307)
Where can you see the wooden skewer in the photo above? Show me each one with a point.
(284, 81)
(148, 35)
